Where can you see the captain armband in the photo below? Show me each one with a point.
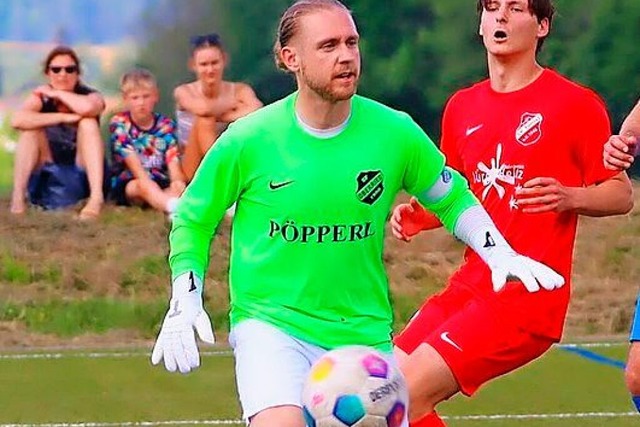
(440, 189)
(448, 197)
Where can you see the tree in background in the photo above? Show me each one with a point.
(400, 60)
(246, 27)
(607, 57)
(613, 67)
(416, 53)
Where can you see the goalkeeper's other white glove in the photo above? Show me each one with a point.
(176, 342)
(476, 229)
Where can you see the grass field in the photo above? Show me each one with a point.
(105, 284)
(6, 171)
(105, 389)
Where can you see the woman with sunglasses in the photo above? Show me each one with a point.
(207, 105)
(58, 125)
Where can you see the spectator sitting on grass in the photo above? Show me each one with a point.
(145, 165)
(60, 154)
(206, 106)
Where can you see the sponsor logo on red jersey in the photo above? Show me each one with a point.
(499, 177)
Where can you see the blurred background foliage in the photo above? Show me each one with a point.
(416, 53)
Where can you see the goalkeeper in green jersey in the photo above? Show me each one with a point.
(314, 176)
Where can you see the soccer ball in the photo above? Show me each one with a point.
(354, 386)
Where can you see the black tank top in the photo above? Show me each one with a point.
(62, 137)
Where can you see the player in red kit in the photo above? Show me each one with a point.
(530, 143)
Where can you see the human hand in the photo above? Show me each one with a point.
(45, 91)
(176, 342)
(227, 110)
(408, 219)
(70, 118)
(507, 264)
(543, 194)
(229, 116)
(618, 153)
(146, 185)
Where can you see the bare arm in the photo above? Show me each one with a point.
(146, 184)
(631, 124)
(29, 117)
(620, 150)
(187, 99)
(611, 197)
(246, 102)
(175, 172)
(176, 176)
(133, 163)
(225, 108)
(91, 105)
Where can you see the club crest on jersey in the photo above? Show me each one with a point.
(370, 186)
(530, 129)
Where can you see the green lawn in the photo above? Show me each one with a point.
(560, 383)
(116, 390)
(6, 172)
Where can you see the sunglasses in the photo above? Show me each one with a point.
(212, 39)
(69, 69)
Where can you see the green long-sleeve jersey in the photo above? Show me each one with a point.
(308, 232)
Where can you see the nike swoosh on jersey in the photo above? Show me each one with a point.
(473, 129)
(275, 186)
(445, 337)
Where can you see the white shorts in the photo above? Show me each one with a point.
(271, 366)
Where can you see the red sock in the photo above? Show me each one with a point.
(430, 420)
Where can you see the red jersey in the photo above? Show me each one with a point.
(551, 128)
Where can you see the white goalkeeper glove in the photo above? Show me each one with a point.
(176, 342)
(507, 264)
(476, 229)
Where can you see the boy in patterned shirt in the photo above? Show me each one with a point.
(145, 164)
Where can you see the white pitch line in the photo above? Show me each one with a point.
(134, 423)
(541, 416)
(120, 355)
(105, 355)
(496, 417)
(593, 344)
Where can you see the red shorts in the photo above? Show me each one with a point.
(477, 342)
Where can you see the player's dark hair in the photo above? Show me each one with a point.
(289, 23)
(542, 9)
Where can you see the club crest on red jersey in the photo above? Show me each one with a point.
(530, 129)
